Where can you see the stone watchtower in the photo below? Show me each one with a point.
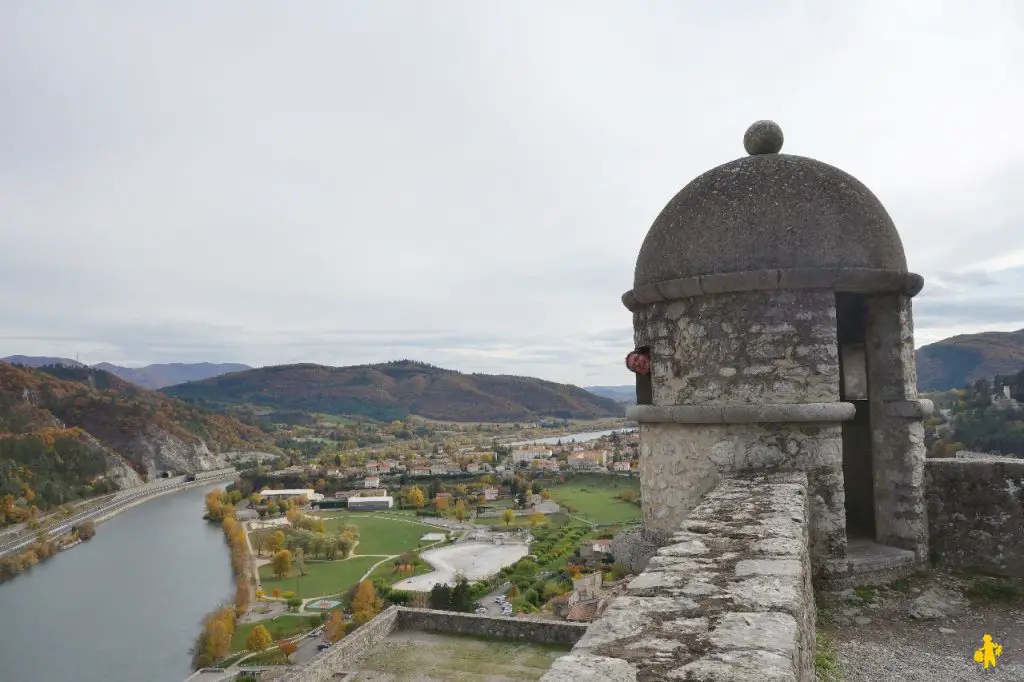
(773, 296)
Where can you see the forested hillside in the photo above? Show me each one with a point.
(961, 360)
(72, 432)
(977, 422)
(395, 390)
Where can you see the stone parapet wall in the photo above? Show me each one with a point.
(976, 513)
(511, 629)
(345, 654)
(681, 463)
(729, 598)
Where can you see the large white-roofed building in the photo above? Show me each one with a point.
(310, 494)
(369, 503)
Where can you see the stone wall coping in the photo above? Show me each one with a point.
(728, 597)
(764, 413)
(909, 409)
(851, 280)
(977, 463)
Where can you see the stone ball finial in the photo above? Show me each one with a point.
(763, 137)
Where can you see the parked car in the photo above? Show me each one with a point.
(323, 645)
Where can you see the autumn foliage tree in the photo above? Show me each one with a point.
(365, 603)
(287, 647)
(416, 498)
(259, 639)
(214, 640)
(334, 628)
(508, 516)
(282, 564)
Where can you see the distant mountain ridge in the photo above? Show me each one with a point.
(965, 358)
(158, 376)
(151, 376)
(397, 389)
(621, 394)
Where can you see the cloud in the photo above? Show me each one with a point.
(464, 183)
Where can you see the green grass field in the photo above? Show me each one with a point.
(379, 535)
(322, 577)
(387, 571)
(279, 627)
(594, 498)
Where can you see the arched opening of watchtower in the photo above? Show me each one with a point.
(858, 478)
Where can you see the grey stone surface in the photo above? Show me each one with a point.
(512, 629)
(769, 212)
(976, 514)
(855, 280)
(346, 653)
(897, 442)
(577, 667)
(633, 548)
(796, 413)
(681, 463)
(763, 137)
(754, 348)
(728, 597)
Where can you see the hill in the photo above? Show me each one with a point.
(40, 361)
(72, 432)
(158, 376)
(960, 360)
(620, 394)
(397, 389)
(150, 376)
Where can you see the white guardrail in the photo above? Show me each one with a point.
(121, 499)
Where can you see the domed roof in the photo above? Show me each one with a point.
(771, 212)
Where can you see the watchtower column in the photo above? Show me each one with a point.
(897, 434)
(759, 291)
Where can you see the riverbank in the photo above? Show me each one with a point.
(121, 502)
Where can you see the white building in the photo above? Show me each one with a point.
(368, 503)
(308, 493)
(529, 454)
(371, 482)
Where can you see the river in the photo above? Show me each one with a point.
(122, 607)
(572, 437)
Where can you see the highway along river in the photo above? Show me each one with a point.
(124, 606)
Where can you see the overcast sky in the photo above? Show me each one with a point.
(465, 183)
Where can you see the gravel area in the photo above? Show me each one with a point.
(475, 560)
(926, 629)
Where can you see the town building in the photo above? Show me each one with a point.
(310, 494)
(621, 466)
(371, 503)
(528, 454)
(371, 482)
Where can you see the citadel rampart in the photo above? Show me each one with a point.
(344, 656)
(728, 598)
(976, 513)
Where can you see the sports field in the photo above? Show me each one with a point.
(595, 498)
(379, 535)
(322, 577)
